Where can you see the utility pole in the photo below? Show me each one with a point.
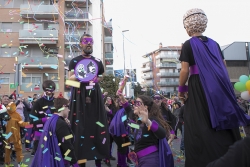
(124, 60)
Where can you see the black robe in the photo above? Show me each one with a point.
(87, 108)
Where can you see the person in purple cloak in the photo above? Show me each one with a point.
(212, 116)
(151, 147)
(55, 148)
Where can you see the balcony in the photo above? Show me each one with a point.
(150, 76)
(39, 62)
(166, 56)
(167, 83)
(146, 69)
(109, 56)
(78, 16)
(167, 74)
(109, 72)
(38, 36)
(79, 1)
(148, 84)
(162, 65)
(72, 38)
(39, 11)
(108, 39)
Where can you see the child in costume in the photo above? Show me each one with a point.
(43, 108)
(13, 137)
(55, 148)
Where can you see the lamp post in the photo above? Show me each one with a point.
(124, 60)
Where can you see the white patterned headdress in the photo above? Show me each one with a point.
(195, 21)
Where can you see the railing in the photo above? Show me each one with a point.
(38, 60)
(167, 56)
(146, 69)
(31, 87)
(78, 15)
(167, 74)
(148, 84)
(109, 55)
(72, 38)
(90, 1)
(147, 77)
(38, 9)
(38, 34)
(167, 83)
(109, 72)
(165, 65)
(108, 40)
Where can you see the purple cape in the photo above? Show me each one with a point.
(45, 156)
(165, 154)
(224, 111)
(117, 127)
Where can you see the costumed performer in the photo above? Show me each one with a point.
(87, 113)
(212, 116)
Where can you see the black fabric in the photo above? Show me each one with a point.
(202, 143)
(38, 106)
(75, 60)
(119, 140)
(62, 130)
(144, 137)
(181, 115)
(168, 116)
(84, 115)
(187, 53)
(237, 155)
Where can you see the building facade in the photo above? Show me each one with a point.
(43, 36)
(237, 57)
(160, 69)
(108, 59)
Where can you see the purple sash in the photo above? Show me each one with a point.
(224, 111)
(193, 70)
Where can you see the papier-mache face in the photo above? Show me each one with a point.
(11, 107)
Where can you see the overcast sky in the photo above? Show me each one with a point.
(153, 21)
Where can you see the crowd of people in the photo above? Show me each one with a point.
(68, 132)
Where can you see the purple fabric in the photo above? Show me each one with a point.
(117, 127)
(165, 154)
(193, 70)
(125, 105)
(150, 160)
(224, 111)
(172, 132)
(146, 151)
(154, 126)
(123, 162)
(183, 88)
(47, 158)
(75, 165)
(44, 119)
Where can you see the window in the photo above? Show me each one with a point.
(53, 77)
(108, 47)
(4, 80)
(37, 26)
(6, 27)
(31, 83)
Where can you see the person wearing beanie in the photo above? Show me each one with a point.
(43, 108)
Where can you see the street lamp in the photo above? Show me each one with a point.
(124, 59)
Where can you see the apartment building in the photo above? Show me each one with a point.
(108, 59)
(43, 36)
(160, 69)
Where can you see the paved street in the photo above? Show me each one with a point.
(179, 160)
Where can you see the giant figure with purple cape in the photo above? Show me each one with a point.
(87, 113)
(212, 116)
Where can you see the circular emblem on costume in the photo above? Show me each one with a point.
(86, 70)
